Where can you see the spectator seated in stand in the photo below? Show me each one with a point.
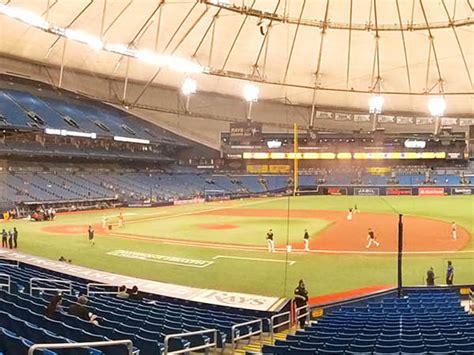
(134, 294)
(54, 307)
(79, 309)
(122, 292)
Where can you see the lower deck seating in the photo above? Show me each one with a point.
(145, 322)
(422, 322)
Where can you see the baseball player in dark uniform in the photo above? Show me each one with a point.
(306, 240)
(301, 299)
(270, 242)
(450, 274)
(91, 232)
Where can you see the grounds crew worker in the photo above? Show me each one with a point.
(301, 299)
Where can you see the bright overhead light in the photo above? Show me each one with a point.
(251, 93)
(24, 16)
(149, 57)
(437, 106)
(189, 87)
(170, 61)
(376, 104)
(85, 38)
(120, 49)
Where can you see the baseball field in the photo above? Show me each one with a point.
(221, 245)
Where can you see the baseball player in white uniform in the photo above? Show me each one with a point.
(454, 228)
(270, 242)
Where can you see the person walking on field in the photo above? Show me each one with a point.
(306, 240)
(270, 242)
(454, 228)
(104, 222)
(90, 231)
(450, 274)
(371, 239)
(120, 220)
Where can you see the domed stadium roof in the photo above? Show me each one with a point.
(330, 52)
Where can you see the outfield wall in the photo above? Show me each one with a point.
(390, 190)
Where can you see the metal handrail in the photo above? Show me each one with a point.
(273, 326)
(128, 343)
(69, 283)
(298, 316)
(234, 339)
(89, 292)
(16, 262)
(199, 347)
(9, 281)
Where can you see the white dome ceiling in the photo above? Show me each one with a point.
(406, 49)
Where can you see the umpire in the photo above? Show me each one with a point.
(301, 299)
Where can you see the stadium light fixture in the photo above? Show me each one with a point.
(83, 37)
(437, 106)
(376, 104)
(25, 16)
(189, 87)
(251, 93)
(173, 62)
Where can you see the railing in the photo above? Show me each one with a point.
(471, 301)
(196, 348)
(128, 343)
(234, 338)
(53, 281)
(9, 262)
(306, 314)
(8, 282)
(273, 326)
(91, 292)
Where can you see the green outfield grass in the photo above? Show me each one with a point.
(323, 273)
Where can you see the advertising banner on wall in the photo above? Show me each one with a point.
(361, 118)
(405, 120)
(335, 191)
(461, 191)
(366, 191)
(398, 191)
(431, 191)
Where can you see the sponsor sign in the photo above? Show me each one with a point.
(454, 155)
(234, 156)
(385, 119)
(231, 299)
(430, 191)
(162, 259)
(361, 118)
(234, 299)
(399, 191)
(189, 202)
(366, 191)
(324, 114)
(466, 121)
(245, 130)
(343, 117)
(335, 191)
(405, 120)
(424, 120)
(461, 191)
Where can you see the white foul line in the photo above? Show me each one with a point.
(290, 262)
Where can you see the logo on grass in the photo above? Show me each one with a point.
(163, 259)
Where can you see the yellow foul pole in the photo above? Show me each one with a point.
(295, 159)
